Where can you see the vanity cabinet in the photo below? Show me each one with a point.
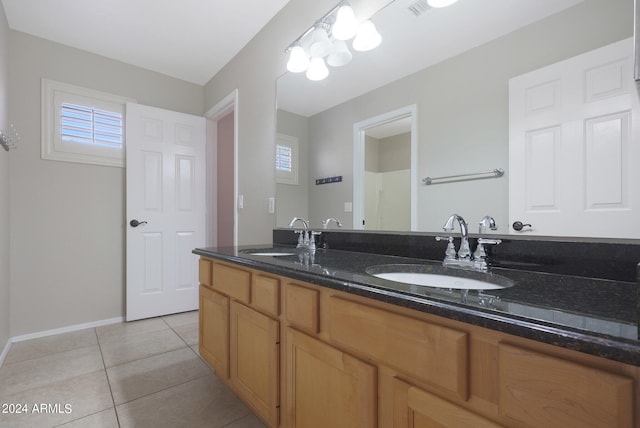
(333, 358)
(240, 333)
(254, 360)
(326, 386)
(416, 408)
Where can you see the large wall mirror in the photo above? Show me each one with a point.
(452, 66)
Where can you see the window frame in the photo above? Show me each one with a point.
(53, 147)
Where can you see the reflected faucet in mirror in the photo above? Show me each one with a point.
(487, 221)
(325, 223)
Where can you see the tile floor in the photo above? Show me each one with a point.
(141, 374)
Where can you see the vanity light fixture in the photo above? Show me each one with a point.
(326, 41)
(441, 3)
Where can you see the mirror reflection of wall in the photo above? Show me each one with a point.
(387, 180)
(462, 100)
(293, 197)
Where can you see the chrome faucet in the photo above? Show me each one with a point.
(305, 238)
(463, 258)
(464, 253)
(325, 223)
(487, 221)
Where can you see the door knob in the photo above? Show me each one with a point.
(136, 223)
(518, 225)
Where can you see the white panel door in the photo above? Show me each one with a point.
(574, 146)
(166, 195)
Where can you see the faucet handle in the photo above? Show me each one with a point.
(489, 241)
(450, 253)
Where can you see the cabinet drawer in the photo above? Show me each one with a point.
(540, 390)
(302, 307)
(430, 353)
(232, 281)
(265, 294)
(204, 271)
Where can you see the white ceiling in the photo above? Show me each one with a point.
(187, 39)
(410, 44)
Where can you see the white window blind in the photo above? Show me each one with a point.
(80, 124)
(283, 158)
(286, 159)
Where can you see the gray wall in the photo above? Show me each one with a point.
(4, 186)
(254, 72)
(67, 219)
(293, 200)
(462, 109)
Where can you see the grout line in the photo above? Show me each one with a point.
(106, 374)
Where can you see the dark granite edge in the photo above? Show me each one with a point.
(617, 349)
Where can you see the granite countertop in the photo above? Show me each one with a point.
(594, 316)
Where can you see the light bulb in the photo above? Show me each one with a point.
(340, 54)
(298, 60)
(346, 24)
(367, 38)
(440, 3)
(320, 44)
(317, 70)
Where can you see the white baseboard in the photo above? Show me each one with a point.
(67, 329)
(55, 331)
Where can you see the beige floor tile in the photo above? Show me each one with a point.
(140, 346)
(188, 332)
(104, 419)
(39, 372)
(35, 348)
(153, 374)
(204, 402)
(122, 331)
(59, 402)
(183, 318)
(250, 421)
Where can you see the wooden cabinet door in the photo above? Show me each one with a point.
(214, 330)
(255, 359)
(415, 408)
(327, 387)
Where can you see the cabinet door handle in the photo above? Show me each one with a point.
(136, 223)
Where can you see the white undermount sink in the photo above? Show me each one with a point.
(420, 275)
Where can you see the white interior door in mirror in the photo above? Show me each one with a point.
(574, 146)
(166, 195)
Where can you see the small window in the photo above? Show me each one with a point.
(82, 125)
(286, 159)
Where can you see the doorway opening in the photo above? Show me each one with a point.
(385, 171)
(222, 172)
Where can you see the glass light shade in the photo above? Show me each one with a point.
(367, 38)
(340, 55)
(320, 44)
(298, 60)
(346, 24)
(317, 70)
(440, 3)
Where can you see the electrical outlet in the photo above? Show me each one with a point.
(272, 205)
